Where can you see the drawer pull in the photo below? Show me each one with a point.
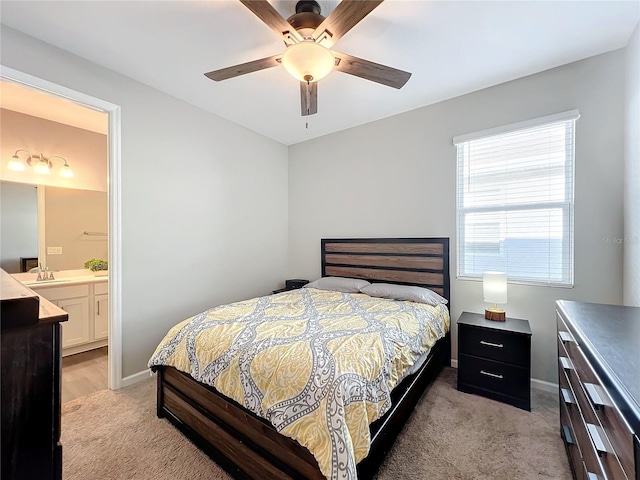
(565, 337)
(593, 395)
(489, 344)
(566, 433)
(566, 396)
(566, 363)
(489, 374)
(597, 440)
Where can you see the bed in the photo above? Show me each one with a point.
(249, 447)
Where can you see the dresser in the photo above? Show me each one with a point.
(494, 358)
(30, 372)
(599, 380)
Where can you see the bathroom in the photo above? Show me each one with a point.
(54, 219)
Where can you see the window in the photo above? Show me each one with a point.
(515, 201)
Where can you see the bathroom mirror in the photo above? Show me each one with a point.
(18, 224)
(61, 227)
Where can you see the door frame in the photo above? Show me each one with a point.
(115, 204)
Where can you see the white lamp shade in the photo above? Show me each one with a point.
(16, 164)
(66, 172)
(42, 168)
(308, 58)
(494, 287)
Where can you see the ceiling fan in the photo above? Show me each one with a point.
(308, 37)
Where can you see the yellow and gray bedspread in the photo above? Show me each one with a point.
(319, 365)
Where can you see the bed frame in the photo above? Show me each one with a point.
(248, 447)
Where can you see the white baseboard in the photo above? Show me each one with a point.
(535, 383)
(136, 377)
(544, 386)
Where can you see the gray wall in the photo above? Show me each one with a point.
(19, 224)
(632, 173)
(397, 178)
(204, 201)
(195, 235)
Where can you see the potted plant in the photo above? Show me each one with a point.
(98, 266)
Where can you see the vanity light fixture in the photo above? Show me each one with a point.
(41, 164)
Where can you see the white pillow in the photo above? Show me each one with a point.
(338, 284)
(403, 292)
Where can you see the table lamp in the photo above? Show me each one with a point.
(494, 290)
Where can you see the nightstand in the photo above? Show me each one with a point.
(291, 284)
(494, 359)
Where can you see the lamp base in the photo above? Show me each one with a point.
(495, 315)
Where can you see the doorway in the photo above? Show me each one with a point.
(114, 289)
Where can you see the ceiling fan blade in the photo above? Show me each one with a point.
(309, 98)
(343, 18)
(243, 68)
(270, 16)
(375, 72)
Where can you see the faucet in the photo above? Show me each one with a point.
(44, 274)
(40, 277)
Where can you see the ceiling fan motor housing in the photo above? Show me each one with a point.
(307, 17)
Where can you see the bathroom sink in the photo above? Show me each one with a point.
(31, 283)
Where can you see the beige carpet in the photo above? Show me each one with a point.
(451, 435)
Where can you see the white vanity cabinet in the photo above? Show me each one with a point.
(101, 311)
(76, 330)
(88, 308)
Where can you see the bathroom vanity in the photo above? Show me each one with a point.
(85, 298)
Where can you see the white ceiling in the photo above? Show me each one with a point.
(451, 47)
(19, 98)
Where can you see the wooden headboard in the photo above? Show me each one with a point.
(408, 261)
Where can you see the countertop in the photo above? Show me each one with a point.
(23, 307)
(609, 335)
(65, 278)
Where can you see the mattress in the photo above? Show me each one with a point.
(318, 365)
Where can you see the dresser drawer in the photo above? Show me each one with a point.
(583, 438)
(568, 435)
(636, 449)
(618, 436)
(507, 347)
(598, 409)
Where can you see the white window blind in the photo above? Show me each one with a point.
(515, 201)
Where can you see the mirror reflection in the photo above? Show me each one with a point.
(72, 225)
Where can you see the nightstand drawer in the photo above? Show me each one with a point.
(507, 347)
(493, 376)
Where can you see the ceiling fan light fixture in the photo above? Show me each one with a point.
(308, 61)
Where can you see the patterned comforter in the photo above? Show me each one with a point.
(319, 365)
